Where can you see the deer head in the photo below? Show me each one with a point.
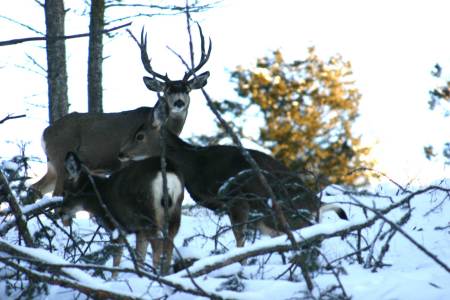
(175, 92)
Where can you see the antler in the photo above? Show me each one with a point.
(144, 56)
(204, 57)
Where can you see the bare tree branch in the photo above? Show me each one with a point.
(17, 211)
(66, 37)
(277, 213)
(22, 25)
(116, 224)
(10, 117)
(28, 211)
(81, 281)
(409, 238)
(305, 237)
(92, 291)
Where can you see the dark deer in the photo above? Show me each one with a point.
(133, 197)
(219, 178)
(97, 137)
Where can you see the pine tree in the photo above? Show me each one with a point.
(308, 107)
(439, 99)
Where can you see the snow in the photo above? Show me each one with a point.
(9, 165)
(409, 274)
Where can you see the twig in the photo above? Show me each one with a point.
(335, 273)
(342, 228)
(279, 215)
(348, 255)
(165, 229)
(408, 237)
(403, 189)
(114, 222)
(66, 37)
(380, 214)
(30, 211)
(89, 244)
(16, 210)
(10, 117)
(437, 206)
(385, 248)
(21, 24)
(370, 255)
(81, 283)
(68, 234)
(91, 291)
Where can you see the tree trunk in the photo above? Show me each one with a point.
(56, 60)
(95, 58)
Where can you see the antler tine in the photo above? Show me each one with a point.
(204, 55)
(144, 56)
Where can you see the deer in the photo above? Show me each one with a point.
(131, 200)
(97, 137)
(219, 178)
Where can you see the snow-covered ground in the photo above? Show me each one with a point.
(408, 272)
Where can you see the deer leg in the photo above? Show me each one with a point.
(167, 251)
(47, 183)
(238, 218)
(174, 226)
(157, 247)
(141, 246)
(117, 254)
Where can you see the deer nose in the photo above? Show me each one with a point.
(179, 103)
(122, 156)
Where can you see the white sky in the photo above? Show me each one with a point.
(392, 45)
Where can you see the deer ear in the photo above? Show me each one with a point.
(154, 84)
(73, 165)
(199, 81)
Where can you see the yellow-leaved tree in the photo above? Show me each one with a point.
(308, 107)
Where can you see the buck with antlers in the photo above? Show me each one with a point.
(97, 137)
(131, 199)
(219, 178)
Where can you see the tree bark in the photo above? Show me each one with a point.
(56, 60)
(95, 57)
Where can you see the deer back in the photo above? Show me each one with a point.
(95, 137)
(133, 195)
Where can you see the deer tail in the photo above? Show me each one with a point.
(333, 207)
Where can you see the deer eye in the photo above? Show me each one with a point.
(139, 136)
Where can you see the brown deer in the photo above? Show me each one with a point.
(132, 199)
(97, 137)
(219, 178)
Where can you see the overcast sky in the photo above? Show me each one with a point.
(392, 45)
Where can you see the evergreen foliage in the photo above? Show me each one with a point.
(439, 99)
(308, 107)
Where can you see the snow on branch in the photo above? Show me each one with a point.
(29, 211)
(16, 209)
(74, 277)
(306, 236)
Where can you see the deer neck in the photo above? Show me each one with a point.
(184, 156)
(175, 122)
(91, 201)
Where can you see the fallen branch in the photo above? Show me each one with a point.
(304, 236)
(79, 280)
(96, 292)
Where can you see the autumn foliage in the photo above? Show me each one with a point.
(308, 107)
